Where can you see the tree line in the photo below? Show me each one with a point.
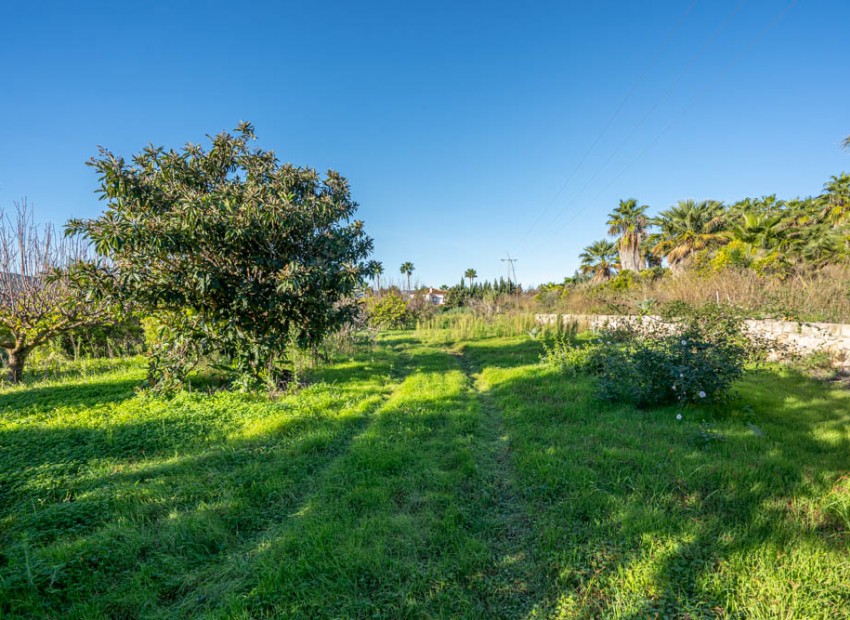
(768, 235)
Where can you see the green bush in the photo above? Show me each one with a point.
(689, 356)
(388, 311)
(567, 356)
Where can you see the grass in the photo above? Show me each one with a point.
(821, 295)
(431, 476)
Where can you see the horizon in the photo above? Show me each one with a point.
(492, 129)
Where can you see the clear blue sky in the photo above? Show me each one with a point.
(461, 125)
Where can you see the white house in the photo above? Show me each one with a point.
(435, 296)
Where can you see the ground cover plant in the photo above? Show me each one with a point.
(424, 476)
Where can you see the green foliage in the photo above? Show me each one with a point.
(121, 338)
(566, 355)
(689, 357)
(388, 311)
(735, 255)
(407, 465)
(624, 280)
(233, 253)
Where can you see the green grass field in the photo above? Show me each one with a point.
(422, 479)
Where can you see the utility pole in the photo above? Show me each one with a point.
(510, 264)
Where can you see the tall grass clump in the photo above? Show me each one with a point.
(457, 326)
(817, 295)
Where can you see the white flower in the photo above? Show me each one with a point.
(701, 394)
(674, 388)
(678, 416)
(681, 375)
(684, 342)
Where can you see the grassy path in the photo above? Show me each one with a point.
(513, 583)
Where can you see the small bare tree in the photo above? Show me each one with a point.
(38, 298)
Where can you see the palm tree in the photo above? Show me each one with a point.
(599, 259)
(760, 231)
(846, 143)
(687, 228)
(629, 222)
(470, 274)
(836, 199)
(407, 269)
(379, 271)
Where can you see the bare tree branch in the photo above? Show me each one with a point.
(38, 298)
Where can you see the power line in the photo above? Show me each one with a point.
(700, 95)
(616, 113)
(678, 78)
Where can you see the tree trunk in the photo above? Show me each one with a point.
(630, 258)
(17, 357)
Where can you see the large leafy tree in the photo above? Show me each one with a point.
(407, 269)
(599, 260)
(40, 298)
(232, 252)
(687, 228)
(629, 222)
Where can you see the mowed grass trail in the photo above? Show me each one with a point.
(422, 479)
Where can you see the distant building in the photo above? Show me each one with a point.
(435, 296)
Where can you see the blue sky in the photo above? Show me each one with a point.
(467, 129)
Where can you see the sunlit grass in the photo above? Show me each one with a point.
(443, 473)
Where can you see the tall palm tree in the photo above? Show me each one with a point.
(470, 274)
(846, 143)
(379, 271)
(630, 223)
(599, 259)
(687, 228)
(407, 269)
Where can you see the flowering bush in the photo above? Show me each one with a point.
(690, 356)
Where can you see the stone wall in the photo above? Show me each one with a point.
(799, 337)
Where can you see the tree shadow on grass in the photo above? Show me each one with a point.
(132, 518)
(119, 533)
(82, 369)
(40, 399)
(496, 353)
(664, 518)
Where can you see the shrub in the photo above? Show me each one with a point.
(567, 356)
(688, 356)
(623, 281)
(388, 311)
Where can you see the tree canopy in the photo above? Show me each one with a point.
(230, 251)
